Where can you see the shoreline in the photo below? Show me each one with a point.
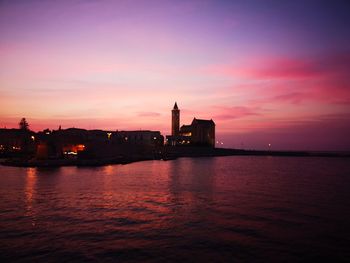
(169, 154)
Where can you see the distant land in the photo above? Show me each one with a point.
(74, 146)
(166, 153)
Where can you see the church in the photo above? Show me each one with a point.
(198, 133)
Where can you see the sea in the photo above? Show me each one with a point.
(217, 209)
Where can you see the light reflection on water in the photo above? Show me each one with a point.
(30, 192)
(216, 209)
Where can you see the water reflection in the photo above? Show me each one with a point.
(191, 186)
(208, 208)
(109, 170)
(30, 191)
(188, 179)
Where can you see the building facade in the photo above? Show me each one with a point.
(203, 132)
(199, 132)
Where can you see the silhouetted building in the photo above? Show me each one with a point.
(150, 138)
(175, 120)
(74, 143)
(199, 132)
(203, 132)
(19, 141)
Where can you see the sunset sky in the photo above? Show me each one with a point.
(265, 71)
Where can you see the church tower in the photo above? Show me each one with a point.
(175, 121)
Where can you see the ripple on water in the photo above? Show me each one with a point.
(206, 209)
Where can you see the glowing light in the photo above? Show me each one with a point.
(109, 134)
(32, 137)
(73, 149)
(70, 153)
(80, 147)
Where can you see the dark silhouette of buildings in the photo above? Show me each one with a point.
(17, 141)
(99, 144)
(198, 133)
(79, 143)
(90, 144)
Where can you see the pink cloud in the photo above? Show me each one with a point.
(148, 114)
(294, 97)
(332, 65)
(294, 81)
(286, 67)
(228, 113)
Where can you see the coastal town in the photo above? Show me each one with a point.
(65, 146)
(76, 146)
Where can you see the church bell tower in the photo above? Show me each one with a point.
(175, 121)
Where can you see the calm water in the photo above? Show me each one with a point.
(204, 209)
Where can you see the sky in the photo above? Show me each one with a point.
(267, 72)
